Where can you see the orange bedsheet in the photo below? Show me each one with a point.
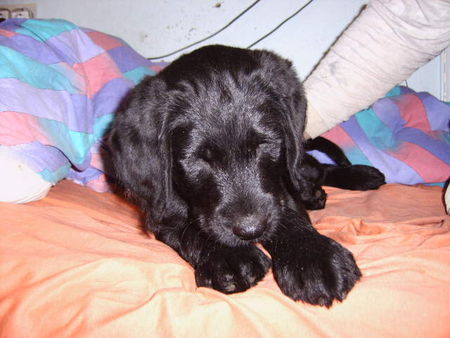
(77, 264)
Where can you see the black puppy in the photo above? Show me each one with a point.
(212, 150)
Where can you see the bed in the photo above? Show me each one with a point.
(77, 263)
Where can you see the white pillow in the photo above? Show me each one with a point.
(18, 183)
(387, 42)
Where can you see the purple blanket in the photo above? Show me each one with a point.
(60, 86)
(405, 135)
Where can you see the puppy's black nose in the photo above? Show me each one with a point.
(249, 227)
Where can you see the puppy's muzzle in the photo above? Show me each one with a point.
(249, 227)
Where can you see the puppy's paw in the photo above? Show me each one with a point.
(231, 270)
(317, 270)
(364, 177)
(315, 199)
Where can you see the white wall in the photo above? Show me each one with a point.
(157, 27)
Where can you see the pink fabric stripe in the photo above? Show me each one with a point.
(97, 161)
(99, 184)
(97, 71)
(19, 128)
(413, 112)
(6, 33)
(157, 68)
(339, 136)
(428, 166)
(105, 41)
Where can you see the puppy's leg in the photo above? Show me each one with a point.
(342, 175)
(310, 192)
(355, 177)
(309, 266)
(331, 149)
(312, 196)
(224, 268)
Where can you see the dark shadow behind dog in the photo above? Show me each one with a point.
(211, 149)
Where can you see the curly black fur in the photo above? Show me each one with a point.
(212, 150)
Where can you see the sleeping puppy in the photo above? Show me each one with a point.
(211, 149)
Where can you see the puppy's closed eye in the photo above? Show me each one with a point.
(252, 150)
(209, 155)
(271, 149)
(215, 156)
(258, 145)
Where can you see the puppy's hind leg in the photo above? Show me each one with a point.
(331, 149)
(343, 175)
(355, 177)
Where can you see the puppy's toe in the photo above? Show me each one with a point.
(231, 270)
(368, 178)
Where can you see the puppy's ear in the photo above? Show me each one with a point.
(141, 154)
(288, 96)
(295, 116)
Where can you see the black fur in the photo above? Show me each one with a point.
(342, 175)
(212, 150)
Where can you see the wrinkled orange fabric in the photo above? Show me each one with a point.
(77, 264)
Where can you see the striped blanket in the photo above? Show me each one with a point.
(405, 135)
(60, 85)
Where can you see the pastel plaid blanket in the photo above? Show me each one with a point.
(60, 85)
(405, 135)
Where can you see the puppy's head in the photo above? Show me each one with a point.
(215, 138)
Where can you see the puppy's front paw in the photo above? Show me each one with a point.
(316, 270)
(315, 199)
(231, 270)
(364, 177)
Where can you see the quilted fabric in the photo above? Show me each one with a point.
(61, 85)
(406, 135)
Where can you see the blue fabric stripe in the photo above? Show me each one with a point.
(356, 156)
(43, 30)
(55, 176)
(377, 132)
(136, 75)
(76, 145)
(34, 73)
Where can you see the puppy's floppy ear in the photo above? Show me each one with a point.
(298, 170)
(141, 154)
(288, 94)
(294, 127)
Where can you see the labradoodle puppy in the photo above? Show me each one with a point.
(211, 148)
